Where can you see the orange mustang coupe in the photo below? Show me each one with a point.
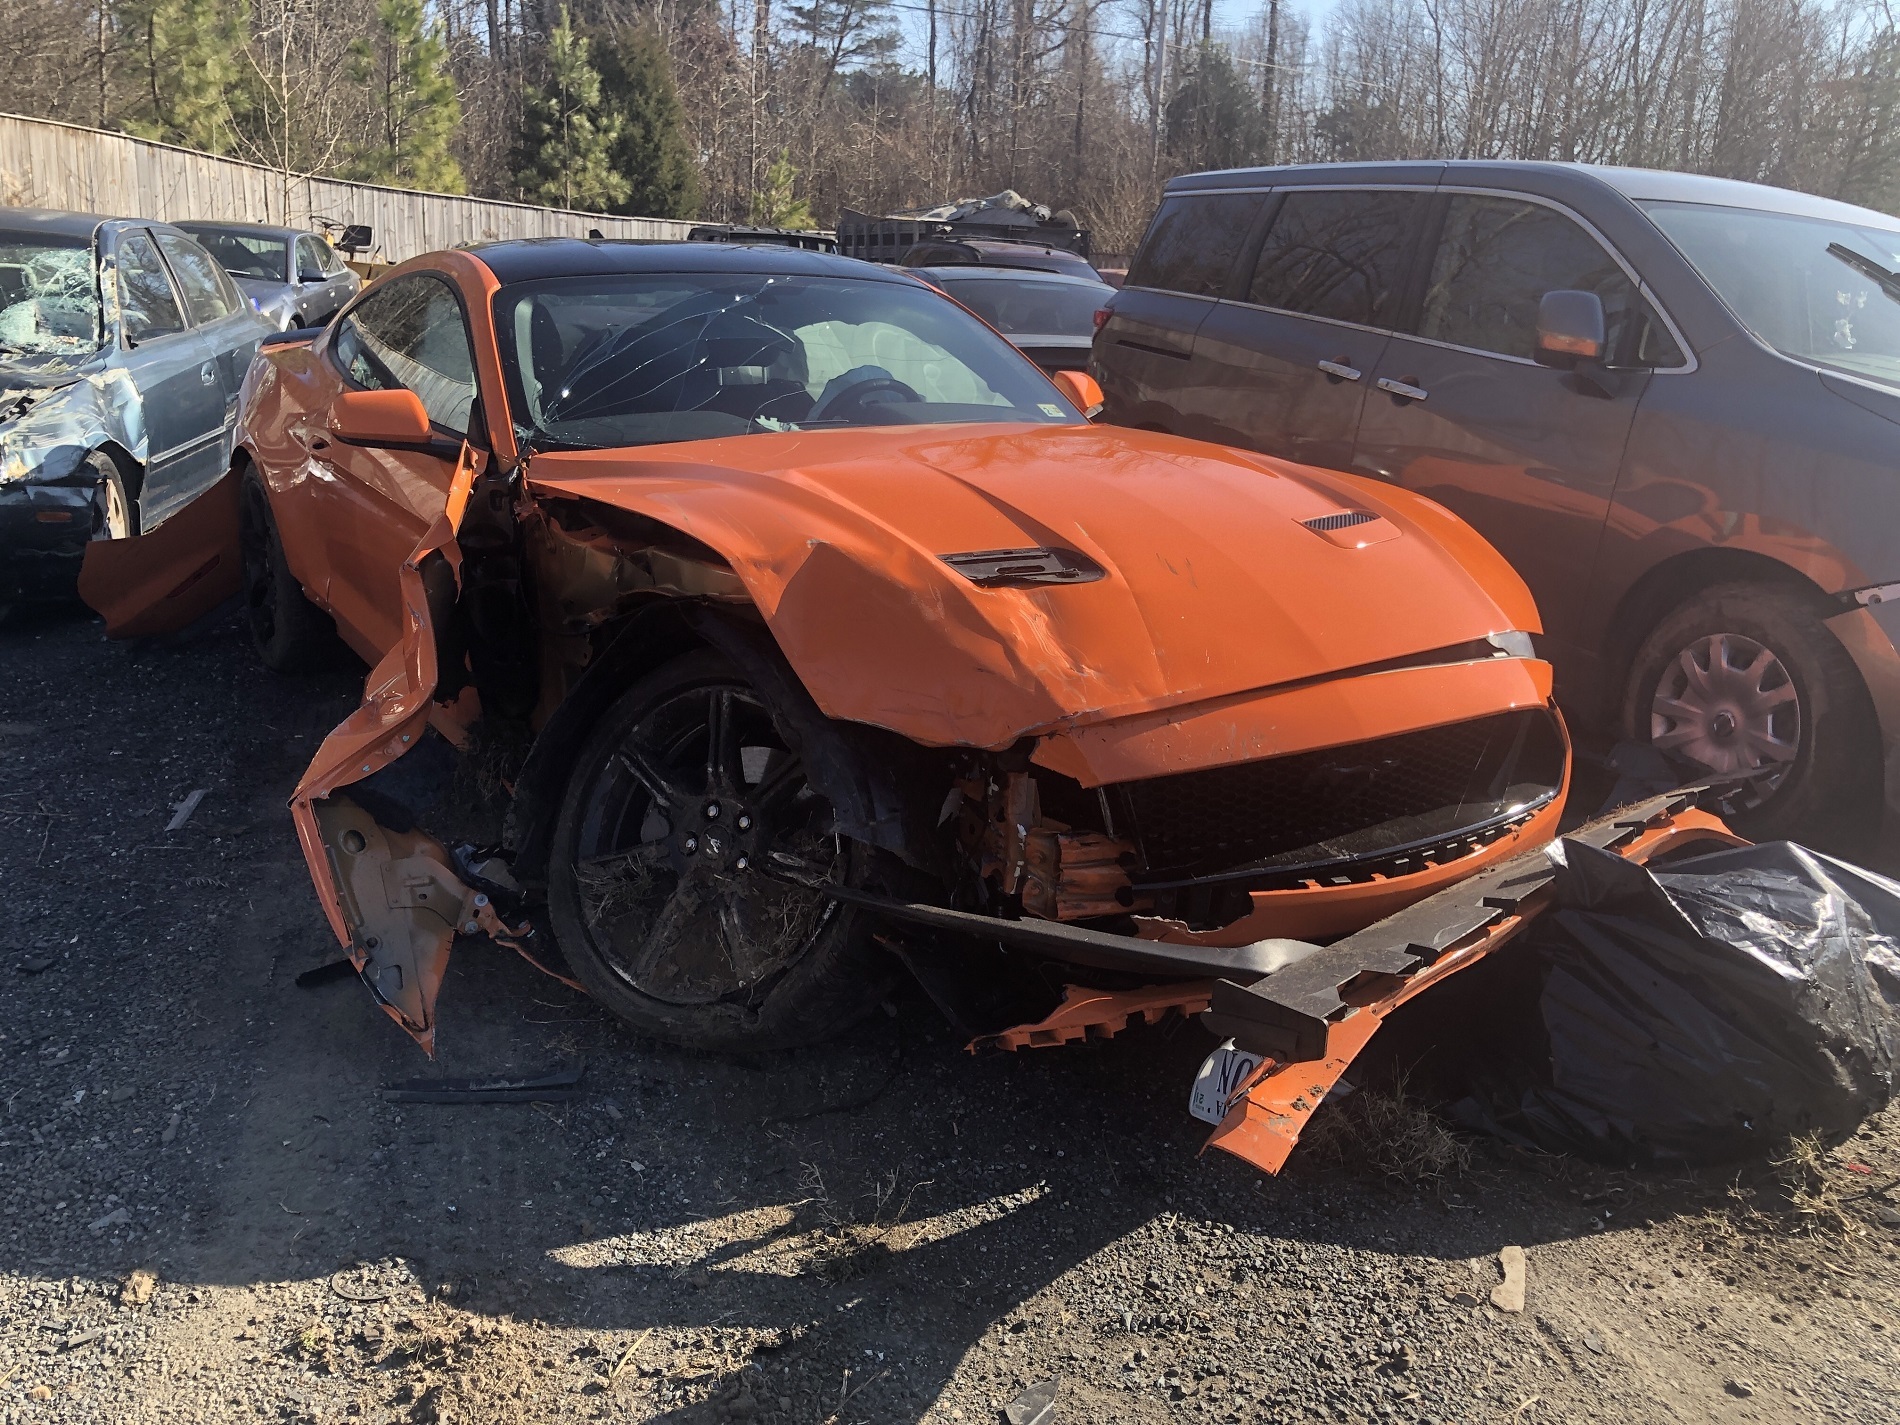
(801, 628)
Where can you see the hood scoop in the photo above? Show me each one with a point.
(1022, 568)
(1352, 529)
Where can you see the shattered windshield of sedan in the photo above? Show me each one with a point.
(49, 297)
(607, 361)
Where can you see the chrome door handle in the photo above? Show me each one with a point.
(1403, 390)
(1339, 370)
(208, 374)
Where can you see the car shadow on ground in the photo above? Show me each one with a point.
(836, 1230)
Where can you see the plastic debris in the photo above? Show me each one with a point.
(1035, 1406)
(1704, 1010)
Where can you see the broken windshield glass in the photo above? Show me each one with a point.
(606, 361)
(49, 298)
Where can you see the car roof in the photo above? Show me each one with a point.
(262, 229)
(964, 271)
(524, 259)
(1636, 184)
(50, 221)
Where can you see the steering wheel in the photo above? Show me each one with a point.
(853, 400)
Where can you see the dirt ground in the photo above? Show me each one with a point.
(881, 1230)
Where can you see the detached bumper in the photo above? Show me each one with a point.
(1305, 1023)
(44, 530)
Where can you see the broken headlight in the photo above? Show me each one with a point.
(1511, 644)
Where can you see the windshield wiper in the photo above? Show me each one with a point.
(1888, 282)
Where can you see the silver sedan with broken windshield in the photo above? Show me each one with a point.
(122, 349)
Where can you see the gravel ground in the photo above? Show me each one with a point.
(208, 1212)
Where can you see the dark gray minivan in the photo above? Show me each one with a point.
(1673, 402)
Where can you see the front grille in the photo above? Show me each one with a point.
(1343, 803)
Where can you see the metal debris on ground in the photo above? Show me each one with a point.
(1508, 1295)
(181, 811)
(561, 1086)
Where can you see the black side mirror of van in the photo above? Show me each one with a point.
(1570, 330)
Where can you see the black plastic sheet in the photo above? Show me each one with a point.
(1703, 1011)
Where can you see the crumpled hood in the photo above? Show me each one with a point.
(1212, 586)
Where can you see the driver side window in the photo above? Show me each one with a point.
(411, 335)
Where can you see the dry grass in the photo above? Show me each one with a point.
(1807, 1175)
(1391, 1130)
(851, 1232)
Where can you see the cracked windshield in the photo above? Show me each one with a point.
(49, 302)
(611, 361)
(1812, 288)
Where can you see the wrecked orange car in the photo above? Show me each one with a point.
(797, 627)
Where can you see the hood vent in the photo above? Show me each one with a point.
(1021, 568)
(1343, 519)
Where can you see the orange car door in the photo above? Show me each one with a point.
(411, 333)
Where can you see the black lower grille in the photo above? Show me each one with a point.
(1342, 803)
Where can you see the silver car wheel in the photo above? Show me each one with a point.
(1727, 703)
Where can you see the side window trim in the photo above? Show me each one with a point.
(1242, 276)
(478, 406)
(164, 270)
(178, 287)
(1595, 234)
(1255, 241)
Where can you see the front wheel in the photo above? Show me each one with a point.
(1745, 680)
(289, 632)
(114, 515)
(684, 802)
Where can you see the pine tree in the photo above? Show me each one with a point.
(566, 156)
(412, 94)
(183, 60)
(636, 75)
(774, 205)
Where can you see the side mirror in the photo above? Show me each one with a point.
(310, 274)
(380, 418)
(1570, 329)
(1082, 390)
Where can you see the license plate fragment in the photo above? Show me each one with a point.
(1221, 1075)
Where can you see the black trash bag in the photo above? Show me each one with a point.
(1703, 1011)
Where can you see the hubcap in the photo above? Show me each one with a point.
(701, 794)
(1727, 704)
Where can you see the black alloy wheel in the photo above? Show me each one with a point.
(674, 886)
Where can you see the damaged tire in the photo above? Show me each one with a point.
(1747, 680)
(290, 632)
(115, 514)
(682, 798)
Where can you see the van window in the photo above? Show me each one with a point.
(1338, 254)
(1192, 243)
(1498, 256)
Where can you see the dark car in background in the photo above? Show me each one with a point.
(1048, 316)
(997, 252)
(1673, 402)
(293, 277)
(122, 349)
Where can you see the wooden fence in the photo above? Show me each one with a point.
(51, 165)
